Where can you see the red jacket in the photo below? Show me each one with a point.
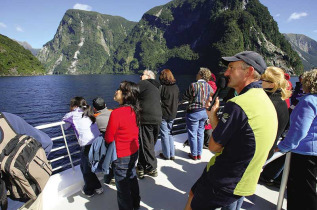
(290, 87)
(122, 129)
(214, 87)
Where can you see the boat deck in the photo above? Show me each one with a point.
(168, 191)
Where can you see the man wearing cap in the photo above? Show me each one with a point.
(241, 140)
(102, 114)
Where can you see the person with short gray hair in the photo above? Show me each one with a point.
(148, 74)
(151, 117)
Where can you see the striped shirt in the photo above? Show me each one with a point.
(197, 94)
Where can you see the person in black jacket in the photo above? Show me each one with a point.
(151, 117)
(275, 85)
(169, 103)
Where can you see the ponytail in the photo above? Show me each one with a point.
(88, 111)
(81, 103)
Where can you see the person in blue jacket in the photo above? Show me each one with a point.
(20, 126)
(301, 140)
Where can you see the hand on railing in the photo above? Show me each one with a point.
(182, 102)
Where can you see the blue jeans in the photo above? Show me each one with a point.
(235, 205)
(167, 141)
(195, 122)
(91, 180)
(128, 194)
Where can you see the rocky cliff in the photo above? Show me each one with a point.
(84, 42)
(181, 35)
(186, 34)
(305, 47)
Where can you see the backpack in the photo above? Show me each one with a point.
(23, 163)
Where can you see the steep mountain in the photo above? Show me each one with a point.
(17, 61)
(84, 42)
(184, 35)
(27, 46)
(305, 47)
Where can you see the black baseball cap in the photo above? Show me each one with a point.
(99, 103)
(250, 57)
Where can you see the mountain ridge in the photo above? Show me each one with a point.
(306, 48)
(27, 46)
(84, 41)
(182, 35)
(15, 60)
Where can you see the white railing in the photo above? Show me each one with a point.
(176, 129)
(284, 176)
(55, 124)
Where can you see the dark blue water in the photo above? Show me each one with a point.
(44, 99)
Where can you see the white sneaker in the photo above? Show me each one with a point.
(113, 182)
(88, 195)
(99, 191)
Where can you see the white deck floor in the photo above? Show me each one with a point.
(168, 191)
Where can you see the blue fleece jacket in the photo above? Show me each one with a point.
(302, 134)
(20, 126)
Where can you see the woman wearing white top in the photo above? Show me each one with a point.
(82, 120)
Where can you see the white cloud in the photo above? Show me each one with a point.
(19, 29)
(296, 16)
(82, 7)
(277, 15)
(2, 25)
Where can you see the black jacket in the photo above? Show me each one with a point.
(169, 101)
(151, 112)
(282, 115)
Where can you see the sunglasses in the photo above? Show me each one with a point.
(266, 81)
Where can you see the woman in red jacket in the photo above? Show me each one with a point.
(123, 129)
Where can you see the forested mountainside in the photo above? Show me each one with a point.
(84, 42)
(186, 34)
(17, 61)
(306, 48)
(182, 35)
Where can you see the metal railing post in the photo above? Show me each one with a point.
(70, 157)
(284, 181)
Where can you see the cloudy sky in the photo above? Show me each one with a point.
(36, 21)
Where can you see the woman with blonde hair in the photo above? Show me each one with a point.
(301, 141)
(276, 86)
(274, 80)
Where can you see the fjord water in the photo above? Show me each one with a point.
(45, 99)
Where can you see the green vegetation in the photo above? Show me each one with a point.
(17, 61)
(182, 35)
(87, 39)
(196, 33)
